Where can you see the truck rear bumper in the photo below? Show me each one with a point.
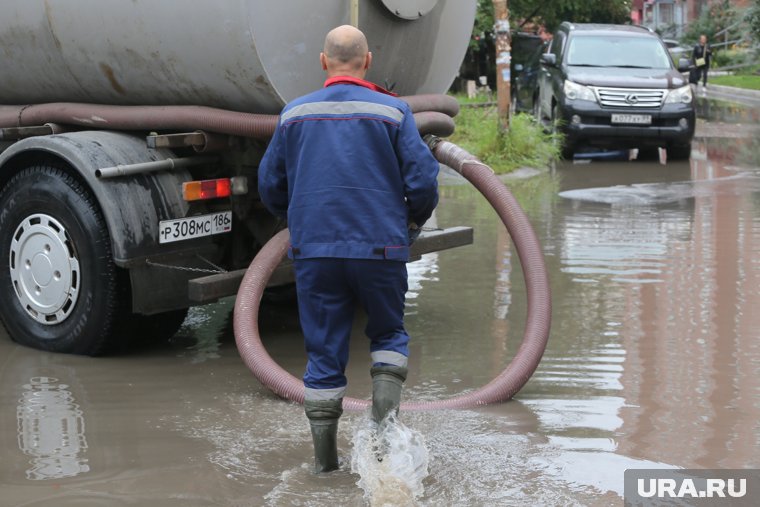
(210, 288)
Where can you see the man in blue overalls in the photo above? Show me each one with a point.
(349, 171)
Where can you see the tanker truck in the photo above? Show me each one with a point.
(130, 134)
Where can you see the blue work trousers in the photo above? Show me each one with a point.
(329, 292)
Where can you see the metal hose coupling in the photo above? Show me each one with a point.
(432, 141)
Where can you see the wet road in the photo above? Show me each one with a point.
(653, 361)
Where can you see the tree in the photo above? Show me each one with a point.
(718, 16)
(552, 12)
(501, 33)
(754, 20)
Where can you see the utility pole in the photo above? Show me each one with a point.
(354, 6)
(503, 60)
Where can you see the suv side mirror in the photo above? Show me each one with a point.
(549, 59)
(683, 64)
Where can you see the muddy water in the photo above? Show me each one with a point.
(653, 361)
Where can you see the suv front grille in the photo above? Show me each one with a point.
(625, 97)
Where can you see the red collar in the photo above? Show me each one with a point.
(358, 82)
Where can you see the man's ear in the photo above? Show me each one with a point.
(323, 61)
(368, 61)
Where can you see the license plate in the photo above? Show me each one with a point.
(632, 119)
(181, 229)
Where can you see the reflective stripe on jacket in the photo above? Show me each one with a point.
(349, 171)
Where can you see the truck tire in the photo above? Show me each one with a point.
(60, 289)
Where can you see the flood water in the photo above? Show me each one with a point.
(653, 360)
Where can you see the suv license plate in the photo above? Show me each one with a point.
(181, 229)
(632, 119)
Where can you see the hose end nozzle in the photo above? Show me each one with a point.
(432, 141)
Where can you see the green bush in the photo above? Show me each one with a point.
(525, 145)
(735, 56)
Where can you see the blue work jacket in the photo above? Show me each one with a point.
(349, 171)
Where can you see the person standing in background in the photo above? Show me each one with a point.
(701, 56)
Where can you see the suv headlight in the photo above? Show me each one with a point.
(682, 95)
(574, 91)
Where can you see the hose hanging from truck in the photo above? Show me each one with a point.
(501, 388)
(432, 114)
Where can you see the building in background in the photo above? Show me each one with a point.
(671, 16)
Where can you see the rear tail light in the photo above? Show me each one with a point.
(206, 189)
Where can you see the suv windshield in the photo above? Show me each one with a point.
(617, 51)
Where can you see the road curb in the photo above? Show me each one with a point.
(731, 90)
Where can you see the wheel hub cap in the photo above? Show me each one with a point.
(44, 269)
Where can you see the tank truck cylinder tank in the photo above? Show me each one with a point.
(244, 55)
(92, 262)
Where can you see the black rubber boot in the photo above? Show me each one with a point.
(387, 381)
(323, 418)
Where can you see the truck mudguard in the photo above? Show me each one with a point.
(132, 205)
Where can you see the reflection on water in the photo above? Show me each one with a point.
(51, 430)
(673, 267)
(600, 369)
(424, 269)
(723, 111)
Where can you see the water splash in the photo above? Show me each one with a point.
(396, 479)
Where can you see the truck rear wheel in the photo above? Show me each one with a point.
(60, 289)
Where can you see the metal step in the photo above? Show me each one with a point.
(210, 288)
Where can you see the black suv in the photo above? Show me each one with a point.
(615, 86)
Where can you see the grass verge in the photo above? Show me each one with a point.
(751, 82)
(525, 145)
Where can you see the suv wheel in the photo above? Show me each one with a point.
(679, 152)
(536, 109)
(566, 151)
(544, 119)
(59, 290)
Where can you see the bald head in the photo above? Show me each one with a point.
(346, 52)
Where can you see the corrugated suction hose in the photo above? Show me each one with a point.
(501, 388)
(432, 114)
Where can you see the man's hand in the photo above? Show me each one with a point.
(414, 232)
